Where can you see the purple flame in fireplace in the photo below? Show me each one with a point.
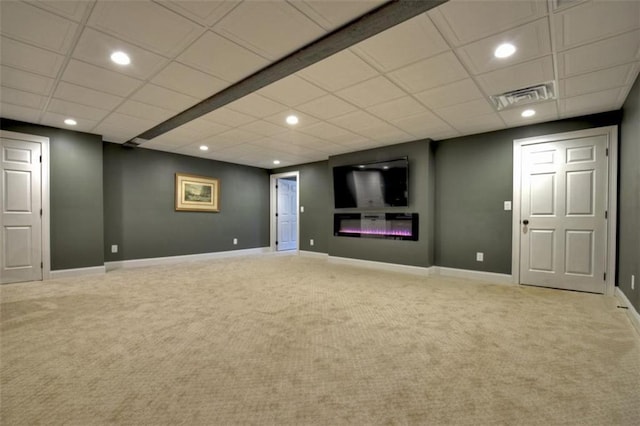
(392, 232)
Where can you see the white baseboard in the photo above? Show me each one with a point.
(154, 261)
(392, 267)
(67, 273)
(492, 277)
(634, 317)
(313, 254)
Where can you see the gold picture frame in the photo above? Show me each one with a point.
(197, 193)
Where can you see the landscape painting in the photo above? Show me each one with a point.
(196, 193)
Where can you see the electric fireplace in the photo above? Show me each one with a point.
(392, 226)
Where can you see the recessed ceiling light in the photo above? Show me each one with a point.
(276, 161)
(361, 166)
(120, 58)
(385, 167)
(528, 113)
(292, 119)
(504, 50)
(70, 122)
(204, 148)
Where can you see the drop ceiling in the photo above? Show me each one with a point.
(428, 77)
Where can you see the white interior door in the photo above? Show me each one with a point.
(563, 214)
(20, 207)
(287, 210)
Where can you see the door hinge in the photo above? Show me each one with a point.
(40, 212)
(605, 276)
(606, 152)
(606, 214)
(276, 243)
(276, 214)
(41, 158)
(41, 265)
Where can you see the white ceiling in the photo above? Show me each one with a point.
(429, 77)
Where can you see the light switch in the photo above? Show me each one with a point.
(301, 209)
(114, 248)
(507, 205)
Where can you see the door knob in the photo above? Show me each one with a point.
(525, 222)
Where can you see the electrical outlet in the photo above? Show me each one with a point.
(311, 242)
(479, 257)
(633, 282)
(235, 241)
(114, 248)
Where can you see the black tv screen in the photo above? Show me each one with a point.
(372, 185)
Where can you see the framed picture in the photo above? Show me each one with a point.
(197, 193)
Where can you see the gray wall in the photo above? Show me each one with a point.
(316, 198)
(140, 214)
(629, 197)
(421, 187)
(473, 178)
(75, 193)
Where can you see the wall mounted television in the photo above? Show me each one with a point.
(372, 185)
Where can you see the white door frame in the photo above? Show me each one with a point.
(46, 232)
(612, 195)
(273, 221)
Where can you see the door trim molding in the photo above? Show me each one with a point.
(273, 225)
(45, 183)
(612, 196)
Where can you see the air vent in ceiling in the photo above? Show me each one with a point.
(528, 95)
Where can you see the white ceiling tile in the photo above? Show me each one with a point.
(144, 111)
(479, 124)
(228, 117)
(117, 127)
(463, 111)
(397, 46)
(54, 119)
(464, 21)
(517, 76)
(397, 108)
(326, 107)
(85, 96)
(592, 102)
(205, 12)
(164, 98)
(96, 48)
(21, 98)
(157, 147)
(371, 92)
(602, 54)
(591, 21)
(188, 81)
(87, 75)
(332, 14)
(53, 32)
(238, 136)
(531, 41)
(600, 80)
(75, 110)
(26, 81)
(280, 119)
(266, 28)
(328, 131)
(450, 94)
(386, 133)
(29, 58)
(198, 129)
(146, 24)
(547, 111)
(264, 128)
(291, 91)
(356, 121)
(206, 52)
(73, 10)
(15, 112)
(426, 74)
(421, 125)
(216, 143)
(172, 139)
(256, 106)
(338, 71)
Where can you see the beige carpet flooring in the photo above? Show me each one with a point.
(292, 340)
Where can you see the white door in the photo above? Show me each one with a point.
(563, 214)
(20, 207)
(287, 210)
